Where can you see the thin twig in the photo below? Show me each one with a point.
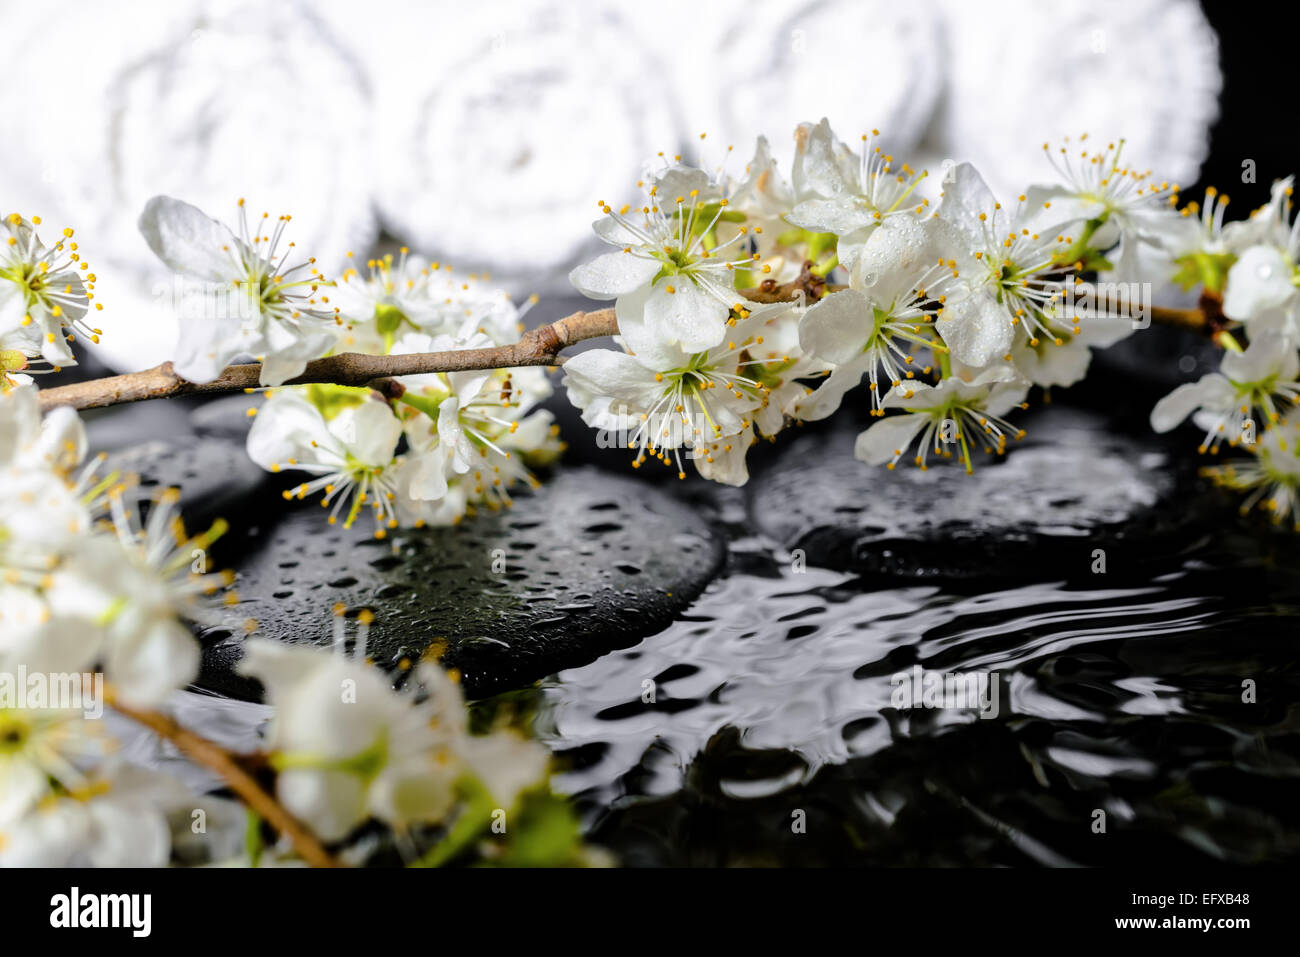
(216, 758)
(1191, 319)
(538, 347)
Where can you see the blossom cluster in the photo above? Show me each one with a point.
(1250, 267)
(85, 587)
(949, 303)
(46, 295)
(447, 444)
(97, 590)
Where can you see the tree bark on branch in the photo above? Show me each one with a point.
(537, 347)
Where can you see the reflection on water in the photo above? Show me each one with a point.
(759, 729)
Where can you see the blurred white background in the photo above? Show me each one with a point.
(483, 134)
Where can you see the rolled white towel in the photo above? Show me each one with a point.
(206, 101)
(1022, 73)
(863, 64)
(496, 155)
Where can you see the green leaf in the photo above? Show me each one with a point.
(544, 832)
(473, 819)
(253, 843)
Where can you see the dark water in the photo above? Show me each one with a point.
(771, 738)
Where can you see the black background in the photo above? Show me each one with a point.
(1259, 118)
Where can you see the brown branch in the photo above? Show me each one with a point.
(212, 756)
(538, 347)
(1192, 319)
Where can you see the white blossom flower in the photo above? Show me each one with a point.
(760, 202)
(256, 302)
(1119, 205)
(348, 747)
(352, 455)
(1009, 263)
(85, 584)
(1063, 359)
(669, 265)
(117, 818)
(1271, 475)
(55, 442)
(45, 291)
(1201, 247)
(848, 194)
(953, 415)
(667, 398)
(473, 300)
(897, 289)
(783, 366)
(1241, 399)
(392, 297)
(1265, 279)
(475, 430)
(40, 753)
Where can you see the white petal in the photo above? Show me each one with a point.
(687, 316)
(127, 835)
(153, 662)
(822, 164)
(13, 306)
(278, 371)
(331, 802)
(1187, 398)
(840, 216)
(728, 466)
(1258, 281)
(613, 274)
(205, 347)
(1263, 358)
(606, 372)
(965, 197)
(976, 329)
(828, 396)
(652, 343)
(428, 475)
(836, 328)
(887, 438)
(506, 764)
(62, 442)
(188, 240)
(369, 431)
(284, 428)
(614, 232)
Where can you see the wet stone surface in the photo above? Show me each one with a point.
(225, 418)
(588, 563)
(216, 478)
(1072, 486)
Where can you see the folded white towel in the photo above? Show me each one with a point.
(495, 148)
(863, 64)
(1021, 73)
(205, 101)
